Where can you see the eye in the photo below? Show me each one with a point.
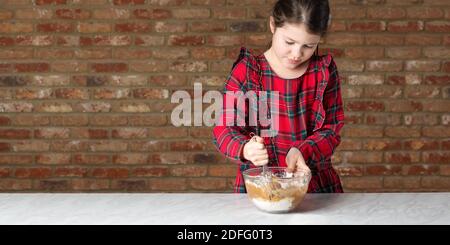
(289, 43)
(306, 46)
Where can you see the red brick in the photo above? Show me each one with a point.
(76, 14)
(383, 92)
(55, 27)
(110, 67)
(169, 158)
(15, 185)
(209, 26)
(403, 52)
(52, 185)
(364, 157)
(35, 40)
(229, 13)
(383, 170)
(341, 12)
(15, 134)
(436, 131)
(445, 170)
(349, 171)
(208, 184)
(132, 54)
(421, 170)
(362, 183)
(151, 172)
(72, 93)
(4, 172)
(421, 144)
(32, 67)
(126, 2)
(189, 171)
(405, 26)
(130, 159)
(53, 158)
(110, 13)
(383, 119)
(436, 182)
(189, 145)
(401, 182)
(168, 184)
(129, 185)
(186, 40)
(148, 146)
(367, 26)
(91, 159)
(91, 133)
(132, 27)
(436, 157)
(5, 147)
(93, 53)
(167, 27)
(6, 41)
(93, 27)
(384, 39)
(197, 13)
(52, 133)
(364, 52)
(382, 144)
(387, 12)
(71, 172)
(402, 157)
(422, 39)
(404, 106)
(89, 184)
(27, 146)
(100, 146)
(438, 26)
(110, 173)
(70, 120)
(16, 159)
(108, 120)
(152, 13)
(47, 2)
(222, 171)
(33, 173)
(403, 132)
(363, 131)
(365, 106)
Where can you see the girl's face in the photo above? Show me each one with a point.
(292, 44)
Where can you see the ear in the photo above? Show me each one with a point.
(272, 24)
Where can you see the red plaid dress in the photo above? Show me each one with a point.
(310, 112)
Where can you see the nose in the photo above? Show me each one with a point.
(297, 53)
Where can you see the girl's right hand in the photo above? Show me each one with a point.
(256, 152)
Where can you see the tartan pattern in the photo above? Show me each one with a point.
(310, 111)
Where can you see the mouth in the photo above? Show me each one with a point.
(294, 62)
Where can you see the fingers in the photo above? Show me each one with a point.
(261, 163)
(260, 158)
(256, 152)
(258, 139)
(291, 168)
(301, 165)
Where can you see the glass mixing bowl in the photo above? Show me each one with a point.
(276, 191)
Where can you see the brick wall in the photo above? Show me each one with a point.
(85, 89)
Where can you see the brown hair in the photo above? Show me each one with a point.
(315, 14)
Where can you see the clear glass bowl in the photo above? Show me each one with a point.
(277, 191)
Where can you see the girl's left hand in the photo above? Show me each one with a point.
(295, 161)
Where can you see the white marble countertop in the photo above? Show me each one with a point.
(227, 209)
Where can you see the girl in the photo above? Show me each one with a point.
(309, 109)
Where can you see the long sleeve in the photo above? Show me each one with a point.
(318, 148)
(228, 137)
